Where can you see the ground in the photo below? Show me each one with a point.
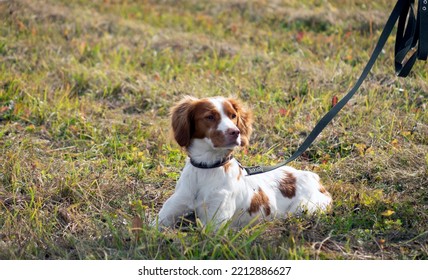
(86, 157)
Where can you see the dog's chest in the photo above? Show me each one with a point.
(221, 183)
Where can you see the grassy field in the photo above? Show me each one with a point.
(86, 157)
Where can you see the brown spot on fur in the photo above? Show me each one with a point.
(205, 119)
(324, 191)
(240, 173)
(287, 185)
(259, 200)
(227, 166)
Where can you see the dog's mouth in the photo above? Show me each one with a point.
(234, 142)
(221, 140)
(227, 142)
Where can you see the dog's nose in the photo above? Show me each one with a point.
(234, 132)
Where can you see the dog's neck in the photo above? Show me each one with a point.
(202, 153)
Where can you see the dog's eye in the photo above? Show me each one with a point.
(210, 117)
(233, 116)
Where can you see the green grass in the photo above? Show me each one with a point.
(86, 157)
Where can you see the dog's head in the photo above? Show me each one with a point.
(222, 122)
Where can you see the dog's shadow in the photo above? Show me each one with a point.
(186, 222)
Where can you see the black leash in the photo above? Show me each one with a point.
(412, 30)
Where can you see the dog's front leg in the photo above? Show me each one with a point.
(216, 210)
(176, 206)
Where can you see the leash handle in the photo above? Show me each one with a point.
(411, 31)
(407, 37)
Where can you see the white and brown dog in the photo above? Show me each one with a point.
(215, 186)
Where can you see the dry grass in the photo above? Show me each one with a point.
(85, 154)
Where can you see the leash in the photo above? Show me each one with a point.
(411, 31)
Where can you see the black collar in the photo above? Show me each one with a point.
(216, 164)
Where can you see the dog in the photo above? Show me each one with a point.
(215, 187)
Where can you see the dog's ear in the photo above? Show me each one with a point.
(182, 120)
(244, 122)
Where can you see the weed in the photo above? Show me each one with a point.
(86, 159)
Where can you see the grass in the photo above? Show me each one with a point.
(86, 158)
